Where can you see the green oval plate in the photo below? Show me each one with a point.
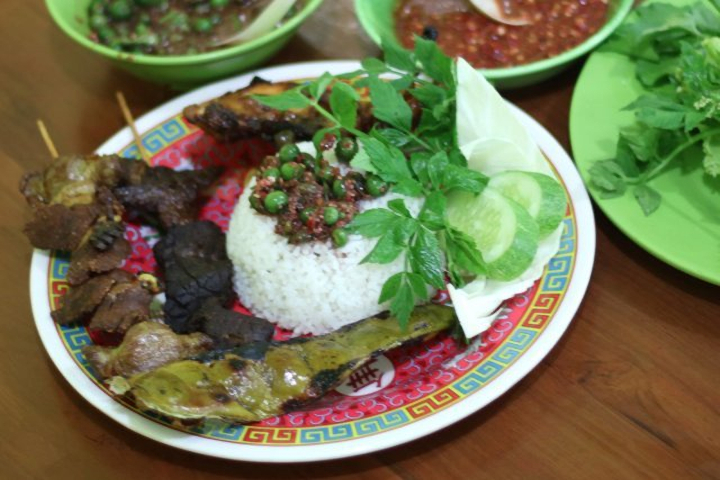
(685, 231)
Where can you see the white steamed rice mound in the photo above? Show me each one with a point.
(309, 288)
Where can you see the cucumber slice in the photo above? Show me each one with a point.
(541, 195)
(504, 232)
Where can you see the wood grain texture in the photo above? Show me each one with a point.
(631, 391)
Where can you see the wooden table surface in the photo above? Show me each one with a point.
(631, 390)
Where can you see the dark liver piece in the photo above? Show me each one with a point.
(196, 267)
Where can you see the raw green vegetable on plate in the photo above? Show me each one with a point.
(676, 51)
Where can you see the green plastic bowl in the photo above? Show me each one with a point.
(179, 71)
(377, 18)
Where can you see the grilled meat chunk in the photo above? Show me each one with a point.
(80, 302)
(98, 255)
(58, 227)
(228, 328)
(146, 346)
(261, 380)
(88, 261)
(124, 305)
(112, 302)
(165, 194)
(74, 192)
(71, 180)
(196, 267)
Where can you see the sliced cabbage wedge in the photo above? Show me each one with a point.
(490, 136)
(494, 141)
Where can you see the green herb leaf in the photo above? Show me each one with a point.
(457, 178)
(391, 136)
(426, 258)
(711, 160)
(409, 187)
(373, 223)
(388, 105)
(398, 206)
(430, 95)
(403, 303)
(344, 104)
(659, 112)
(609, 177)
(386, 250)
(462, 256)
(398, 57)
(288, 100)
(319, 86)
(436, 167)
(389, 161)
(361, 161)
(436, 64)
(374, 66)
(648, 198)
(432, 215)
(417, 283)
(391, 287)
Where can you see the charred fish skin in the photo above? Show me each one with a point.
(258, 381)
(237, 116)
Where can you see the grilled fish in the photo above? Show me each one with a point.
(261, 380)
(237, 116)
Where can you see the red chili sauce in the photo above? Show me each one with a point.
(461, 31)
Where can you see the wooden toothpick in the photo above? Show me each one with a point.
(48, 141)
(131, 123)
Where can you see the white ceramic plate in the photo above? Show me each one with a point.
(417, 392)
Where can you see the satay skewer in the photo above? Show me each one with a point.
(46, 138)
(131, 123)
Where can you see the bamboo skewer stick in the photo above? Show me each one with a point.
(131, 123)
(46, 138)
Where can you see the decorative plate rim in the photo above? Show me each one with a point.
(585, 248)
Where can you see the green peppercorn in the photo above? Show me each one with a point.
(290, 171)
(97, 6)
(219, 3)
(376, 186)
(339, 189)
(202, 25)
(106, 34)
(276, 201)
(346, 149)
(98, 21)
(271, 173)
(325, 174)
(284, 137)
(141, 29)
(255, 203)
(120, 9)
(289, 153)
(339, 237)
(331, 215)
(306, 213)
(308, 160)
